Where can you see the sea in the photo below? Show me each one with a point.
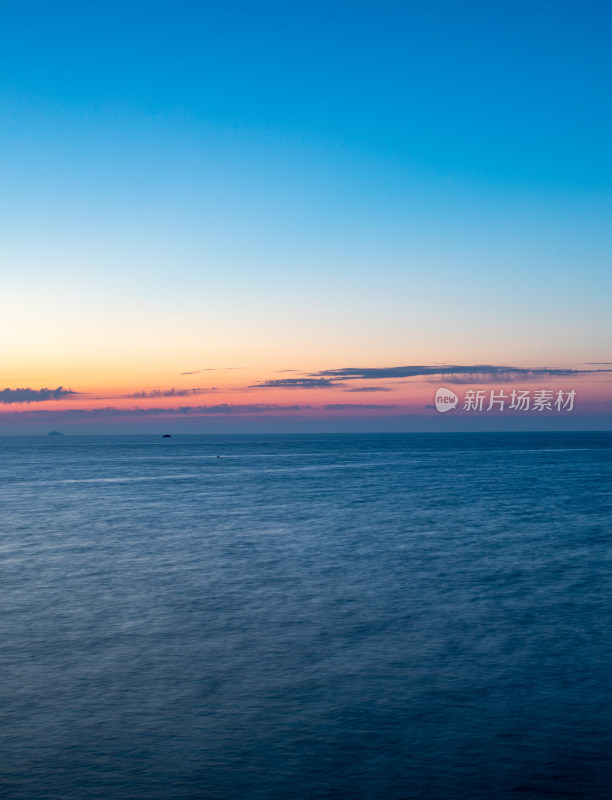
(357, 617)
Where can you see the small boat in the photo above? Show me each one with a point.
(166, 436)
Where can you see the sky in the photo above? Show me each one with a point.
(273, 216)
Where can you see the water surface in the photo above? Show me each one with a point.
(367, 617)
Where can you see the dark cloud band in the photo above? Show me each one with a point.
(479, 371)
(8, 396)
(296, 383)
(170, 392)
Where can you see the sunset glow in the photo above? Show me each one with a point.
(185, 238)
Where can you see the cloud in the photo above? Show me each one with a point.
(170, 392)
(369, 389)
(296, 383)
(209, 369)
(227, 408)
(507, 376)
(358, 407)
(452, 372)
(513, 375)
(8, 396)
(113, 412)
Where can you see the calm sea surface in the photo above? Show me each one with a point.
(374, 617)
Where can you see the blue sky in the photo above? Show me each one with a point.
(502, 92)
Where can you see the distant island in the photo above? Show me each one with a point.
(55, 433)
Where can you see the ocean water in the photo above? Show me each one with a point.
(271, 617)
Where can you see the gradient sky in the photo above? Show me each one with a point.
(256, 193)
